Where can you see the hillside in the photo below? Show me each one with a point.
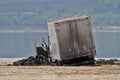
(33, 14)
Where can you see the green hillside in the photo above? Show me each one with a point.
(35, 13)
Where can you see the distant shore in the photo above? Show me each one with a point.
(22, 31)
(106, 30)
(45, 31)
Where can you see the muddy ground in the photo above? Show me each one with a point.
(104, 72)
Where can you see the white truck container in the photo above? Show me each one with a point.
(71, 40)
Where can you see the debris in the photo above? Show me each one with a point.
(33, 61)
(41, 60)
(106, 62)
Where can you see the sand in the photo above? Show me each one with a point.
(104, 72)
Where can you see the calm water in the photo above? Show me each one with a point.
(107, 44)
(18, 44)
(22, 44)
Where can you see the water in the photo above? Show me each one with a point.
(22, 44)
(18, 44)
(107, 44)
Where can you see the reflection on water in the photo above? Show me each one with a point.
(22, 44)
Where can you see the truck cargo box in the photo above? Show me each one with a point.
(71, 38)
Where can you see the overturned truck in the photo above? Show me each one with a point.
(70, 42)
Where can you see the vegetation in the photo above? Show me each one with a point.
(35, 13)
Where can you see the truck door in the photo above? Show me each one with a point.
(65, 39)
(84, 36)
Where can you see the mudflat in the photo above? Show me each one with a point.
(104, 72)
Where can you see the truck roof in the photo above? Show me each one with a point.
(71, 19)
